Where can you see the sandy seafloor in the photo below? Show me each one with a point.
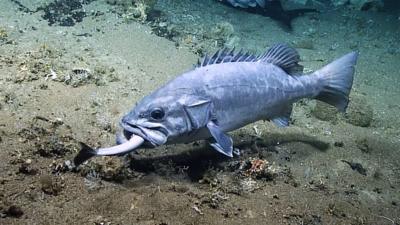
(306, 179)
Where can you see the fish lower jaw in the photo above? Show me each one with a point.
(121, 138)
(129, 131)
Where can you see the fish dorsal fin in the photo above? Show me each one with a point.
(226, 55)
(280, 55)
(283, 56)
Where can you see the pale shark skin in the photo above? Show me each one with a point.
(224, 93)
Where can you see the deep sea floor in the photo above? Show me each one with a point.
(70, 69)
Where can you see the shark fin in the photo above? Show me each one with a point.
(84, 154)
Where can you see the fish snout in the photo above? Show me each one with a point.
(154, 133)
(128, 120)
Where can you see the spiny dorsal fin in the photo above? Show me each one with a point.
(280, 55)
(225, 55)
(283, 56)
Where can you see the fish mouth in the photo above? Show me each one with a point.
(156, 135)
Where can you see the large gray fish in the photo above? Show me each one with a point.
(225, 92)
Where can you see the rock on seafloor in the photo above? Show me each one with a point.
(358, 113)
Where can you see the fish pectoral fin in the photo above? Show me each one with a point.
(223, 142)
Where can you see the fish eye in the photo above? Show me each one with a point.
(157, 114)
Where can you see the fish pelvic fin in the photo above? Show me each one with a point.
(223, 142)
(337, 80)
(284, 118)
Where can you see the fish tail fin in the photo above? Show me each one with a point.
(337, 80)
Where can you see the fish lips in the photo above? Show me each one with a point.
(155, 135)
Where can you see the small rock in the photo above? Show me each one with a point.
(223, 31)
(136, 13)
(232, 42)
(338, 144)
(304, 44)
(359, 112)
(325, 112)
(49, 185)
(107, 168)
(27, 168)
(14, 211)
(250, 214)
(363, 145)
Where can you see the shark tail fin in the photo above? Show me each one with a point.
(84, 154)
